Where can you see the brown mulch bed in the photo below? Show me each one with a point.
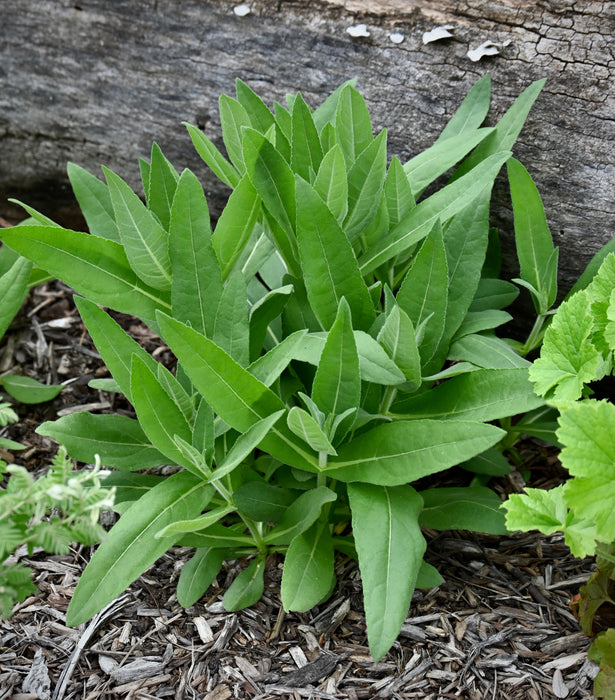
(499, 627)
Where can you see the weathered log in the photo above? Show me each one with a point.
(94, 81)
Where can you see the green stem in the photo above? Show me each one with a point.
(387, 400)
(534, 339)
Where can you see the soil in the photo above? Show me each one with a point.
(500, 625)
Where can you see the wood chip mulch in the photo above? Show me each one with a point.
(498, 627)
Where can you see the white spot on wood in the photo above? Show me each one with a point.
(242, 10)
(358, 30)
(396, 37)
(437, 34)
(488, 48)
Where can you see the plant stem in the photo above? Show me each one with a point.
(534, 339)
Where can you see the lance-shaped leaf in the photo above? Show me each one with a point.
(29, 390)
(305, 426)
(423, 296)
(493, 294)
(390, 548)
(231, 330)
(337, 384)
(403, 451)
(162, 183)
(486, 351)
(202, 522)
(365, 182)
(197, 282)
(197, 575)
(325, 113)
(267, 368)
(119, 440)
(219, 537)
(328, 262)
(145, 242)
(264, 311)
(233, 116)
(353, 125)
(131, 547)
(247, 588)
(13, 291)
(94, 201)
(475, 508)
(305, 148)
(506, 130)
(309, 573)
(398, 338)
(484, 395)
(160, 417)
(93, 266)
(211, 155)
(442, 205)
(263, 502)
(399, 197)
(428, 165)
(115, 346)
(300, 515)
(472, 111)
(235, 225)
(535, 251)
(331, 183)
(235, 395)
(260, 115)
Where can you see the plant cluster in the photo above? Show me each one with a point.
(578, 352)
(335, 343)
(51, 512)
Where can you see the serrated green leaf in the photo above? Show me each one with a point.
(390, 548)
(130, 547)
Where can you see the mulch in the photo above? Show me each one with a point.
(500, 625)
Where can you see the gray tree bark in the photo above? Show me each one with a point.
(95, 81)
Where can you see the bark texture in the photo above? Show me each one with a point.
(94, 82)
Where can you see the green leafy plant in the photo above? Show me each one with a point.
(51, 512)
(335, 343)
(577, 353)
(17, 276)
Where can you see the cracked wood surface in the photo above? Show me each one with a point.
(95, 82)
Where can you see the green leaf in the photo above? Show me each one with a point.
(398, 195)
(218, 164)
(13, 291)
(390, 549)
(398, 338)
(506, 131)
(260, 115)
(365, 182)
(202, 522)
(236, 395)
(532, 236)
(267, 368)
(331, 183)
(131, 547)
(159, 416)
(300, 515)
(493, 294)
(602, 651)
(428, 165)
(423, 296)
(484, 395)
(328, 262)
(305, 426)
(197, 575)
(472, 111)
(236, 225)
(231, 330)
(308, 572)
(306, 151)
(486, 351)
(233, 116)
(491, 462)
(93, 266)
(353, 126)
(115, 346)
(403, 451)
(326, 112)
(94, 200)
(337, 384)
(197, 281)
(442, 205)
(29, 390)
(263, 502)
(601, 291)
(119, 440)
(536, 509)
(477, 321)
(247, 588)
(263, 313)
(145, 242)
(568, 359)
(162, 184)
(474, 508)
(219, 537)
